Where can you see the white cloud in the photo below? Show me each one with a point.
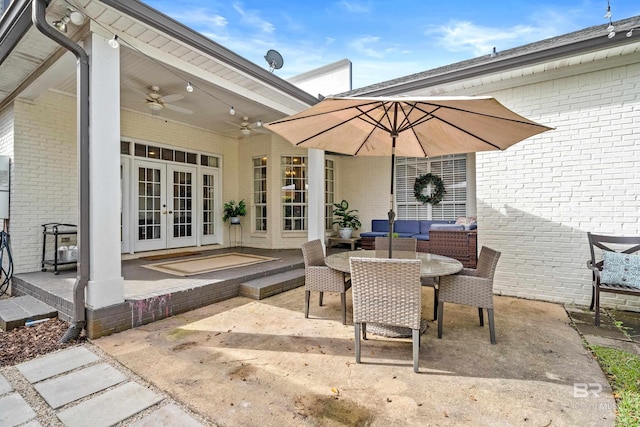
(252, 18)
(365, 46)
(355, 7)
(200, 17)
(463, 36)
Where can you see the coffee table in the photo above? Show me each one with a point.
(353, 241)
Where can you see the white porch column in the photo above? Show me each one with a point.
(106, 284)
(315, 193)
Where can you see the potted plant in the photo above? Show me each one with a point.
(234, 211)
(347, 219)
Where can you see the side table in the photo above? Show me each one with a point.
(235, 226)
(353, 242)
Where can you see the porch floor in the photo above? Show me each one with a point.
(144, 287)
(141, 282)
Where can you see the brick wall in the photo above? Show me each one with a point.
(538, 199)
(44, 180)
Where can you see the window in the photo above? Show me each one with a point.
(208, 204)
(167, 154)
(294, 193)
(329, 199)
(260, 193)
(453, 171)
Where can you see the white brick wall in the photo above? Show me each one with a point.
(538, 199)
(44, 181)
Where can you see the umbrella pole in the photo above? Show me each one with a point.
(392, 214)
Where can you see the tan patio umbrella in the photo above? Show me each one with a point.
(406, 126)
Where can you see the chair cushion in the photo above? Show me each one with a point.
(620, 269)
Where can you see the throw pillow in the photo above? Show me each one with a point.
(620, 269)
(469, 222)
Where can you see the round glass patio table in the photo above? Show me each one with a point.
(432, 266)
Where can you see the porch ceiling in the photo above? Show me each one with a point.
(149, 56)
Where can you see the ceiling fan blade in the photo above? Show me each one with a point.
(173, 97)
(178, 109)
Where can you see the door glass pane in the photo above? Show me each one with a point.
(182, 183)
(208, 216)
(148, 204)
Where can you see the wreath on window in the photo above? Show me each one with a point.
(437, 192)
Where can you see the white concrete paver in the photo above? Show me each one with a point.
(5, 387)
(111, 407)
(168, 415)
(56, 363)
(14, 410)
(78, 384)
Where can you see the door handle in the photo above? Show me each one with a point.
(170, 212)
(164, 212)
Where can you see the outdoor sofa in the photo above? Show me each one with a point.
(441, 237)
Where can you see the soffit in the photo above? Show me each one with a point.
(152, 57)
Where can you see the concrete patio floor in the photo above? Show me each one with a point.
(243, 362)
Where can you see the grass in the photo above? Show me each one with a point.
(623, 371)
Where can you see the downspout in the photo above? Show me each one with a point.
(82, 278)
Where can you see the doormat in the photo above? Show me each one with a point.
(168, 256)
(207, 264)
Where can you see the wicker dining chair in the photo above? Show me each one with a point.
(402, 247)
(320, 278)
(471, 287)
(406, 248)
(386, 291)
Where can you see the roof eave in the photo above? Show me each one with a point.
(152, 17)
(14, 24)
(496, 65)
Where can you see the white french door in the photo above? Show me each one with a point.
(164, 202)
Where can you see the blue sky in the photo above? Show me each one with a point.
(384, 39)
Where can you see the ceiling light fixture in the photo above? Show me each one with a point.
(114, 42)
(76, 17)
(61, 25)
(232, 111)
(245, 132)
(189, 87)
(259, 123)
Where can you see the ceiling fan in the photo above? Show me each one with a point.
(247, 127)
(157, 102)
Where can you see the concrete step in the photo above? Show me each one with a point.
(17, 311)
(267, 286)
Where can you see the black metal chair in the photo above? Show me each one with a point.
(619, 244)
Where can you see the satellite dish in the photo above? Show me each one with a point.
(274, 59)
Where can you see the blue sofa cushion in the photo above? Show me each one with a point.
(447, 227)
(409, 228)
(406, 226)
(425, 226)
(378, 225)
(379, 228)
(374, 234)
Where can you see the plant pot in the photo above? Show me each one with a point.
(235, 220)
(345, 233)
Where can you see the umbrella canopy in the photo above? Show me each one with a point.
(406, 126)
